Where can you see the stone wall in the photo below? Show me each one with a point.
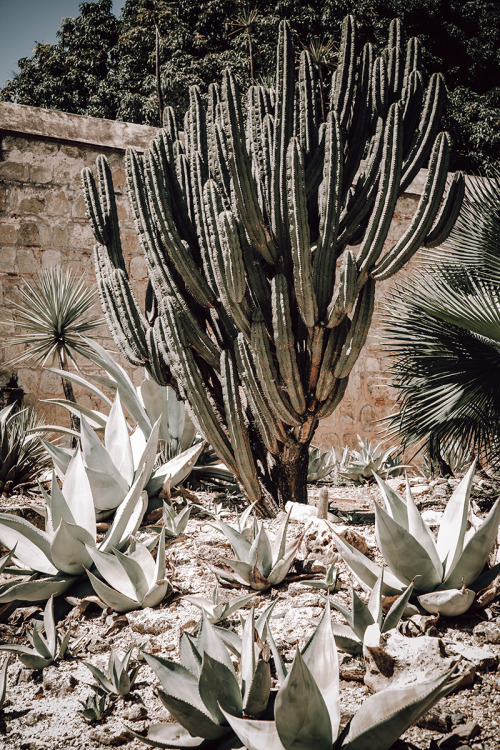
(42, 223)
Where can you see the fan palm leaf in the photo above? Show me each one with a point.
(444, 334)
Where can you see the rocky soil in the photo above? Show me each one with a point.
(42, 707)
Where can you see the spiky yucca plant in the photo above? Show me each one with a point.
(53, 313)
(22, 456)
(258, 304)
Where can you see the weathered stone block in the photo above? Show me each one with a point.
(16, 171)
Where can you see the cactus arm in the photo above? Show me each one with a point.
(108, 206)
(157, 359)
(246, 198)
(299, 235)
(283, 131)
(334, 399)
(284, 341)
(343, 81)
(336, 340)
(380, 88)
(356, 337)
(93, 207)
(345, 295)
(308, 106)
(178, 249)
(412, 102)
(325, 258)
(449, 212)
(424, 216)
(385, 203)
(270, 430)
(358, 131)
(120, 308)
(267, 373)
(428, 127)
(233, 264)
(237, 431)
(163, 152)
(206, 419)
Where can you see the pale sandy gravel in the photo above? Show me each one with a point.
(42, 709)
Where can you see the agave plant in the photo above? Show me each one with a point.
(196, 691)
(307, 705)
(173, 524)
(260, 564)
(3, 680)
(94, 707)
(119, 678)
(217, 611)
(445, 572)
(50, 561)
(363, 465)
(45, 650)
(131, 580)
(112, 466)
(331, 582)
(321, 465)
(367, 620)
(22, 456)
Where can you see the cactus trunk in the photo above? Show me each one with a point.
(264, 237)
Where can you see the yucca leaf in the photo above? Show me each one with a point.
(111, 597)
(128, 394)
(219, 688)
(386, 715)
(195, 720)
(3, 680)
(171, 736)
(476, 552)
(117, 442)
(68, 548)
(112, 569)
(178, 468)
(255, 734)
(240, 544)
(394, 506)
(260, 553)
(78, 507)
(396, 611)
(320, 656)
(420, 531)
(451, 535)
(404, 555)
(257, 694)
(35, 590)
(32, 545)
(301, 715)
(209, 643)
(365, 570)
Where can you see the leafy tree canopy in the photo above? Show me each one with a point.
(105, 67)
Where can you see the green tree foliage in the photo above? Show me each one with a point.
(105, 67)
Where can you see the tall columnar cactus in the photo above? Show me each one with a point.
(264, 237)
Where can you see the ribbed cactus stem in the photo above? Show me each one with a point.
(264, 236)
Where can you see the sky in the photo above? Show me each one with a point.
(25, 22)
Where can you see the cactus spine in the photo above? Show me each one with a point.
(259, 303)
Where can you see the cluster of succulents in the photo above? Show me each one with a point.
(367, 463)
(446, 573)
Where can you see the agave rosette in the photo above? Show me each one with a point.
(45, 650)
(216, 610)
(307, 705)
(367, 621)
(52, 559)
(130, 580)
(196, 691)
(446, 572)
(260, 563)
